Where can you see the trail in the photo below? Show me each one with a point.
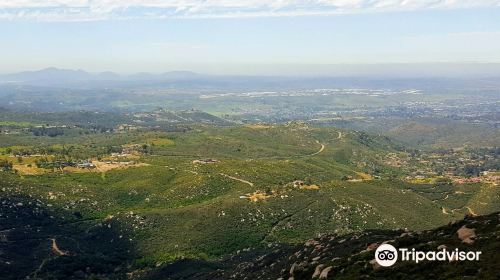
(320, 150)
(444, 211)
(441, 199)
(323, 146)
(468, 209)
(471, 211)
(56, 249)
(238, 179)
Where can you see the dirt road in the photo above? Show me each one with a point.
(56, 249)
(238, 179)
(320, 150)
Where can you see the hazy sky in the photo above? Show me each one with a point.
(242, 35)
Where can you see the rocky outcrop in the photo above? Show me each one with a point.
(467, 235)
(324, 273)
(352, 256)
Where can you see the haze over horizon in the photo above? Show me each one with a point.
(394, 70)
(250, 37)
(249, 139)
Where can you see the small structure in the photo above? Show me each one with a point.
(85, 164)
(298, 183)
(303, 186)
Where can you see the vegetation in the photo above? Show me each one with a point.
(133, 197)
(352, 256)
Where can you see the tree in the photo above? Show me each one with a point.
(471, 170)
(5, 165)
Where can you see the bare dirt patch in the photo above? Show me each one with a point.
(309, 187)
(257, 195)
(30, 170)
(111, 165)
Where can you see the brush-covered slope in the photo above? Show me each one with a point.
(211, 191)
(352, 257)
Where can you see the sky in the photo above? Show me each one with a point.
(244, 36)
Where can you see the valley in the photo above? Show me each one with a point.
(205, 190)
(249, 140)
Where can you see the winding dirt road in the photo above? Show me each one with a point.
(237, 179)
(323, 146)
(471, 211)
(56, 249)
(320, 150)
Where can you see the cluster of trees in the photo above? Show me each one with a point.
(489, 161)
(51, 164)
(474, 170)
(365, 139)
(47, 131)
(95, 128)
(146, 149)
(5, 165)
(70, 152)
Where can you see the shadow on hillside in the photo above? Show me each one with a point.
(352, 256)
(41, 242)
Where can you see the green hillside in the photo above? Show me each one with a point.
(351, 256)
(207, 192)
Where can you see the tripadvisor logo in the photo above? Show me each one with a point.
(387, 255)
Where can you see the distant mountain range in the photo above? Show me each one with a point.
(67, 78)
(53, 74)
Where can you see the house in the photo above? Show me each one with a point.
(85, 164)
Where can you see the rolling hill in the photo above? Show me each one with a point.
(206, 193)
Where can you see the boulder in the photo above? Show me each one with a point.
(466, 235)
(317, 271)
(372, 246)
(324, 273)
(298, 268)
